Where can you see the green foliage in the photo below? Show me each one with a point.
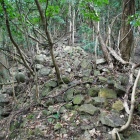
(90, 9)
(134, 20)
(89, 46)
(101, 2)
(35, 20)
(85, 29)
(28, 1)
(88, 12)
(41, 0)
(1, 11)
(52, 10)
(31, 116)
(115, 4)
(58, 19)
(11, 10)
(63, 2)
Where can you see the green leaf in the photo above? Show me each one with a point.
(52, 11)
(30, 116)
(42, 0)
(134, 20)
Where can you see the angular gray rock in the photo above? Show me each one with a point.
(112, 119)
(88, 108)
(4, 99)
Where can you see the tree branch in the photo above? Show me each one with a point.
(12, 40)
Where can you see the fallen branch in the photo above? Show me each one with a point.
(116, 56)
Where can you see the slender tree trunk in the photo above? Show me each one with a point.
(96, 42)
(50, 40)
(126, 33)
(103, 46)
(70, 26)
(73, 25)
(12, 39)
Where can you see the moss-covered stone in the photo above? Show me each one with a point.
(93, 91)
(45, 91)
(4, 99)
(50, 101)
(110, 82)
(20, 77)
(46, 112)
(51, 83)
(99, 101)
(84, 64)
(88, 108)
(111, 119)
(102, 79)
(96, 72)
(62, 110)
(57, 126)
(78, 91)
(69, 106)
(52, 109)
(118, 105)
(124, 79)
(66, 80)
(86, 72)
(107, 93)
(78, 99)
(69, 94)
(119, 89)
(40, 58)
(44, 71)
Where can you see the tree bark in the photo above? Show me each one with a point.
(12, 39)
(103, 46)
(126, 44)
(50, 41)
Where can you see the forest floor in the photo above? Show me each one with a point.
(86, 106)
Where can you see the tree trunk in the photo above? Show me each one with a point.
(126, 33)
(73, 25)
(4, 74)
(50, 40)
(70, 26)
